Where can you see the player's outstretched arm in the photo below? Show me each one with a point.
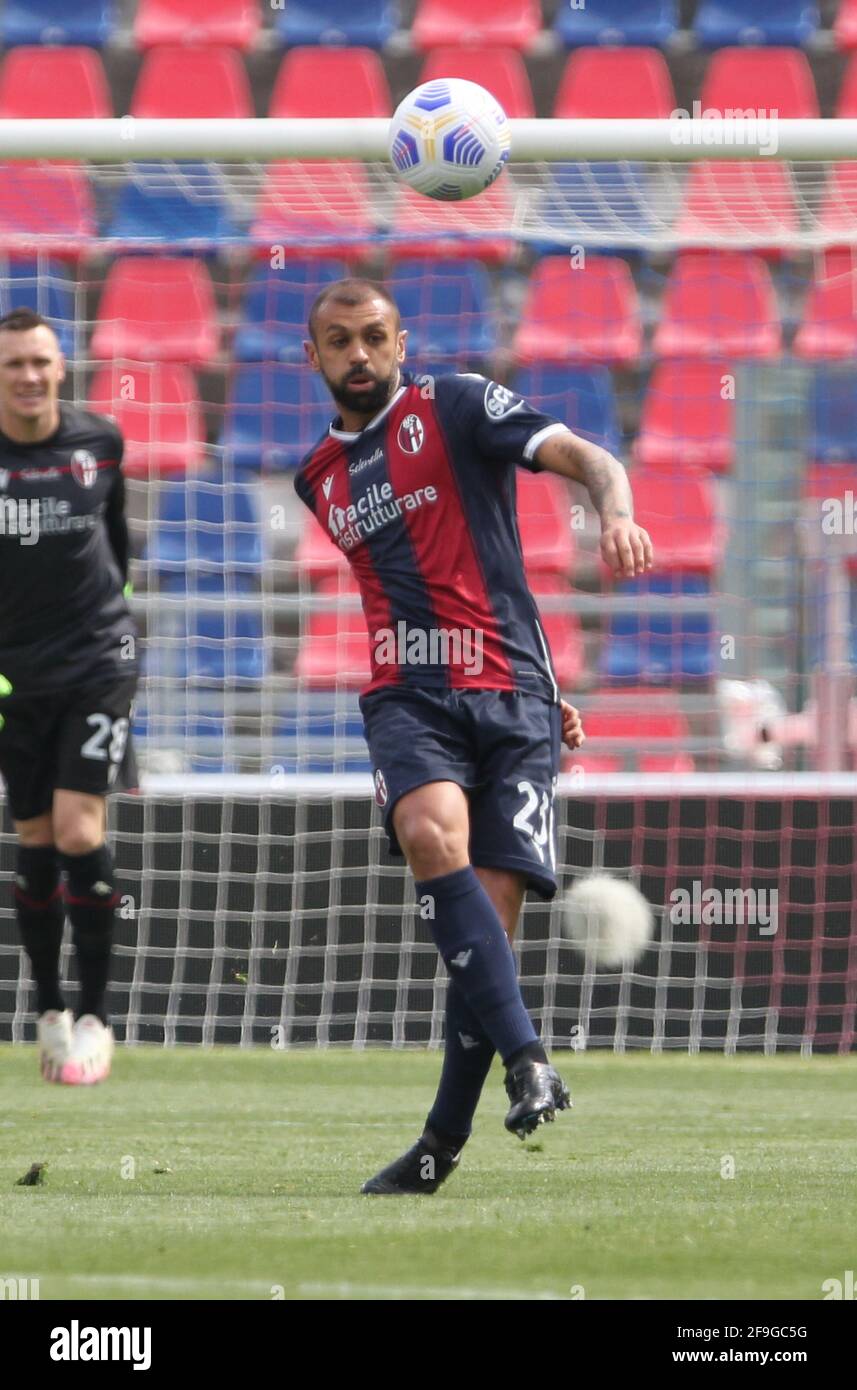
(625, 546)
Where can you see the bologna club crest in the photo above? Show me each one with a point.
(84, 468)
(411, 434)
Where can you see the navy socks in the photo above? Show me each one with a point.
(90, 900)
(470, 938)
(41, 919)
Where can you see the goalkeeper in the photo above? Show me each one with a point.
(68, 671)
(462, 715)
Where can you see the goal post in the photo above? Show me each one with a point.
(259, 905)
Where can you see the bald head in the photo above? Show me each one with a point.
(350, 294)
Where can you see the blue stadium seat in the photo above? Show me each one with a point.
(274, 414)
(45, 287)
(660, 648)
(207, 532)
(173, 205)
(582, 397)
(833, 418)
(202, 738)
(604, 205)
(790, 23)
(648, 22)
(226, 648)
(446, 306)
(320, 732)
(356, 23)
(276, 307)
(86, 22)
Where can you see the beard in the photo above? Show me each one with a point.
(365, 402)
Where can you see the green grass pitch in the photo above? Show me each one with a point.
(235, 1175)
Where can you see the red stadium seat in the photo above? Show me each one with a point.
(331, 82)
(845, 27)
(846, 106)
(511, 22)
(588, 314)
(335, 648)
(500, 71)
(182, 83)
(760, 79)
(234, 23)
(561, 628)
(839, 208)
(315, 557)
(829, 328)
(748, 200)
(677, 509)
(157, 309)
(468, 230)
(54, 83)
(316, 207)
(718, 304)
(686, 420)
(544, 524)
(617, 83)
(642, 715)
(157, 409)
(48, 203)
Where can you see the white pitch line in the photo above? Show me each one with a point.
(444, 1291)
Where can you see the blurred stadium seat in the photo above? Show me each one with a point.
(157, 309)
(44, 286)
(173, 206)
(719, 303)
(363, 23)
(234, 23)
(666, 647)
(640, 714)
(87, 22)
(334, 646)
(276, 308)
(687, 417)
(588, 315)
(678, 511)
(471, 230)
(184, 83)
(829, 327)
(846, 103)
(544, 526)
(739, 199)
(274, 413)
(718, 23)
(500, 70)
(581, 397)
(157, 408)
(512, 22)
(58, 83)
(772, 80)
(315, 208)
(46, 204)
(833, 417)
(615, 84)
(447, 308)
(650, 22)
(331, 82)
(206, 531)
(845, 24)
(561, 628)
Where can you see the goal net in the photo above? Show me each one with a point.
(684, 293)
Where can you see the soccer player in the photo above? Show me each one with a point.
(416, 485)
(68, 671)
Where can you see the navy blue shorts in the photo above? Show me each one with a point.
(501, 746)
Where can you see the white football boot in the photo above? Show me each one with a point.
(54, 1034)
(91, 1053)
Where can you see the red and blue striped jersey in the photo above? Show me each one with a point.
(421, 501)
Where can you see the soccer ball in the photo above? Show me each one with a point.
(449, 139)
(607, 919)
